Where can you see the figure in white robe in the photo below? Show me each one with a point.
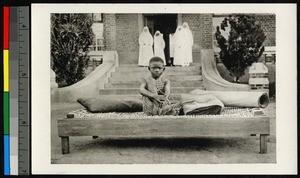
(171, 40)
(146, 50)
(179, 50)
(159, 46)
(188, 44)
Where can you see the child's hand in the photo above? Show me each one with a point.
(159, 98)
(166, 96)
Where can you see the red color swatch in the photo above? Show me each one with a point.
(5, 28)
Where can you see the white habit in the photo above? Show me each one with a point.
(188, 44)
(159, 46)
(146, 50)
(179, 50)
(171, 40)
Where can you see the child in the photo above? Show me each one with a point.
(156, 91)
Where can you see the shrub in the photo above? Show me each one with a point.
(71, 36)
(244, 45)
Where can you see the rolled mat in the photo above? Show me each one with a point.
(238, 98)
(205, 104)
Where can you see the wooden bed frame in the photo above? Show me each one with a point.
(165, 127)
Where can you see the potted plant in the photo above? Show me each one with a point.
(244, 44)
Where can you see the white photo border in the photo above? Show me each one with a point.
(286, 90)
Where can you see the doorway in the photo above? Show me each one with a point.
(166, 24)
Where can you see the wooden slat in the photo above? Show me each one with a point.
(165, 127)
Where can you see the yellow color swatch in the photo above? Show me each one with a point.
(6, 70)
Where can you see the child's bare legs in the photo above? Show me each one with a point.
(171, 109)
(162, 108)
(157, 109)
(176, 107)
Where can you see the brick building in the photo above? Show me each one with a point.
(121, 31)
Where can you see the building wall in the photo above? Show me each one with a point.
(127, 38)
(268, 23)
(121, 33)
(109, 31)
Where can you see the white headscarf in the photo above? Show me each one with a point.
(158, 39)
(145, 37)
(145, 49)
(179, 52)
(157, 33)
(178, 36)
(188, 33)
(178, 29)
(188, 43)
(159, 45)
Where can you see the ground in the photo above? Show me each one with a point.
(85, 150)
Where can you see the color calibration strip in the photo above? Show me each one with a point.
(24, 123)
(14, 88)
(11, 91)
(6, 29)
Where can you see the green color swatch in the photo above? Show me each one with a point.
(6, 113)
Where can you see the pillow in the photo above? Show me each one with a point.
(111, 104)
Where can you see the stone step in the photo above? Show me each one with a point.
(175, 69)
(147, 73)
(132, 91)
(126, 79)
(136, 84)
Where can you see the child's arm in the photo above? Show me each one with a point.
(167, 88)
(149, 94)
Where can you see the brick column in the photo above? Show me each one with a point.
(127, 38)
(206, 31)
(109, 31)
(268, 23)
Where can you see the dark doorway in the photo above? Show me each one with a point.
(166, 24)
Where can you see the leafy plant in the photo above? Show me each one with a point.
(244, 45)
(71, 36)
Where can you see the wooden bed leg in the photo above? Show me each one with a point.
(65, 148)
(263, 143)
(94, 137)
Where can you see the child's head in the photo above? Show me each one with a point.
(156, 67)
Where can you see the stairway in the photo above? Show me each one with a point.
(126, 80)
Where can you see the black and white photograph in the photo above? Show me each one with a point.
(162, 85)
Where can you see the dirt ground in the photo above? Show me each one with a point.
(86, 150)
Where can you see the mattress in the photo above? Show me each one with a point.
(227, 112)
